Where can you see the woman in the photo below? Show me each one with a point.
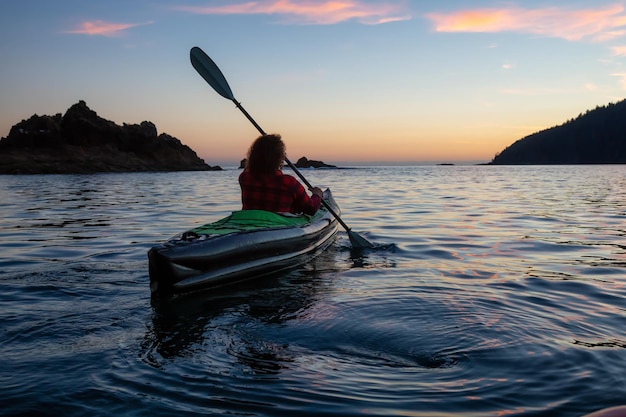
(265, 187)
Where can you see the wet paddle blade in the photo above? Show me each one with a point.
(210, 72)
(358, 241)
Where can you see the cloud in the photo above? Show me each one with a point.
(102, 28)
(622, 78)
(311, 12)
(601, 24)
(530, 92)
(619, 50)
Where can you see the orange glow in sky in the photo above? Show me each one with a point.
(601, 23)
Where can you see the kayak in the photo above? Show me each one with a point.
(244, 245)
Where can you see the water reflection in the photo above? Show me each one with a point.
(503, 294)
(380, 256)
(181, 324)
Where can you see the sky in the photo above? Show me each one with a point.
(343, 81)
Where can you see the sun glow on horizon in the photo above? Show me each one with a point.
(341, 80)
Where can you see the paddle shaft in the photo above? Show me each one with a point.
(291, 165)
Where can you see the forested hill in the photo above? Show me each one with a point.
(596, 137)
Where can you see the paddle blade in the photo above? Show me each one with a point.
(210, 72)
(358, 241)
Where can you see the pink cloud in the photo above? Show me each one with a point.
(311, 12)
(622, 78)
(102, 28)
(600, 24)
(619, 50)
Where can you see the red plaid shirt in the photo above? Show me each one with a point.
(279, 193)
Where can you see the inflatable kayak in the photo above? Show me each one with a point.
(247, 244)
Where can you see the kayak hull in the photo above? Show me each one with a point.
(199, 259)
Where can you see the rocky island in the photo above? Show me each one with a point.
(303, 162)
(80, 141)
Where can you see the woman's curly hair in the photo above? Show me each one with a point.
(266, 155)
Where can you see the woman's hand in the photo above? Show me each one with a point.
(316, 191)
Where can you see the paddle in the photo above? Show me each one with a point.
(212, 74)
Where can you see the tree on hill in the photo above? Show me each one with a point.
(596, 137)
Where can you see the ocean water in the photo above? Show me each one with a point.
(491, 291)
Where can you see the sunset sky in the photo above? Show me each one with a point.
(344, 81)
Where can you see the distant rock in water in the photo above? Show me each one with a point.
(82, 142)
(309, 163)
(301, 163)
(596, 137)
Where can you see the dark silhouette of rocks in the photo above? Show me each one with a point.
(82, 142)
(303, 162)
(596, 137)
(309, 163)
